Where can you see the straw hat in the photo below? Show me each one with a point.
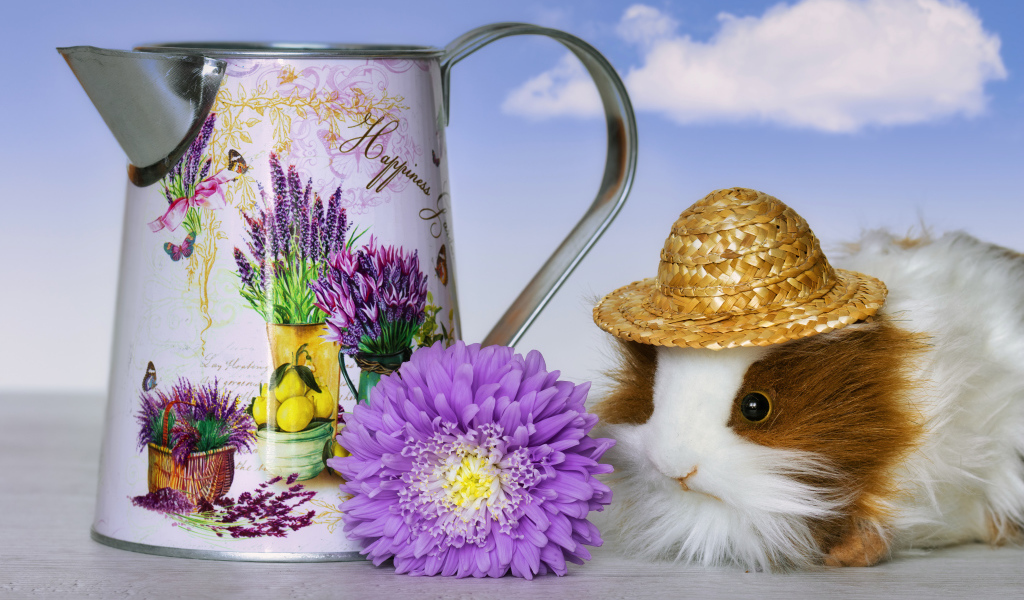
(740, 268)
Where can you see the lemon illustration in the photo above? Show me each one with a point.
(259, 410)
(323, 402)
(295, 413)
(291, 385)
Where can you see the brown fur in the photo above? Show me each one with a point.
(862, 545)
(910, 241)
(631, 400)
(845, 396)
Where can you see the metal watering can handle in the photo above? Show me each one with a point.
(619, 170)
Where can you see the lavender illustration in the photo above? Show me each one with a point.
(188, 419)
(289, 241)
(259, 513)
(188, 187)
(165, 500)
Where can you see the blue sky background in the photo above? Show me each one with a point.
(518, 182)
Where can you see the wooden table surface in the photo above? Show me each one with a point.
(49, 454)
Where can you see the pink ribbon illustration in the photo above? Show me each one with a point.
(209, 194)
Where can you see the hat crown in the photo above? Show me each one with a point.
(738, 251)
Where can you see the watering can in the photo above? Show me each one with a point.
(288, 204)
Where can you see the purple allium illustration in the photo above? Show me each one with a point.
(199, 419)
(289, 240)
(473, 462)
(374, 298)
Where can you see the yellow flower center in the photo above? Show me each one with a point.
(470, 481)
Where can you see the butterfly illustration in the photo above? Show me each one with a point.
(437, 159)
(236, 163)
(442, 265)
(183, 251)
(149, 380)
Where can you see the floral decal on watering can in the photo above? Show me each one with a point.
(190, 187)
(289, 239)
(191, 434)
(375, 299)
(193, 193)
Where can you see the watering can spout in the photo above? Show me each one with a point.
(154, 104)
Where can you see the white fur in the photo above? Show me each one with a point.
(743, 504)
(968, 296)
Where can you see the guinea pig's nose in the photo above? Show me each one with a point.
(678, 468)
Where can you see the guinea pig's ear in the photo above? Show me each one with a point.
(631, 397)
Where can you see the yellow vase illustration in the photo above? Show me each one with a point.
(301, 420)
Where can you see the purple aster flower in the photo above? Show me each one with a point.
(473, 461)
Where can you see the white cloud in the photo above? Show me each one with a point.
(645, 25)
(565, 90)
(831, 65)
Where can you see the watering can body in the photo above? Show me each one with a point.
(287, 227)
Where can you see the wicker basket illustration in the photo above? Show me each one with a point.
(205, 475)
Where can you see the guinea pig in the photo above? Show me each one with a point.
(899, 429)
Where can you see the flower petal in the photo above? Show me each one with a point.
(503, 545)
(553, 557)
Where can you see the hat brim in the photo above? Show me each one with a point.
(854, 297)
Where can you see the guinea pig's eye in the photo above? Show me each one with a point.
(755, 407)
